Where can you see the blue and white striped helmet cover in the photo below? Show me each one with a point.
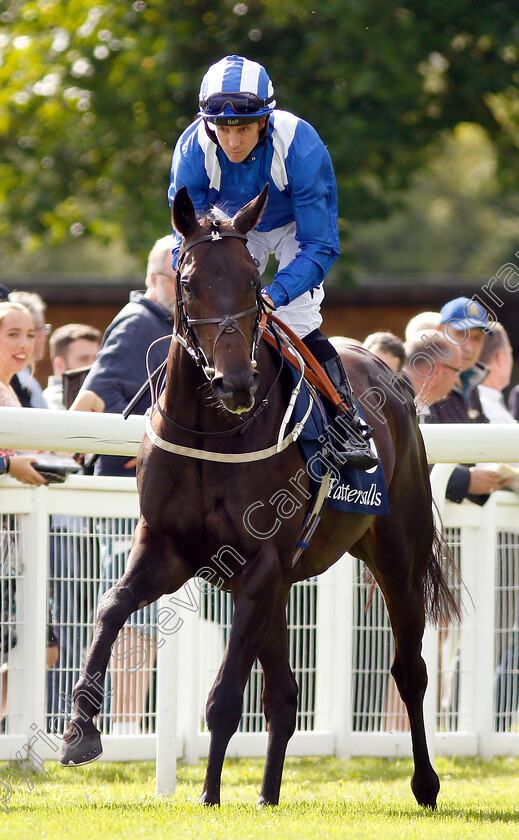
(235, 73)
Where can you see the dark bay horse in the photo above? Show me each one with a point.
(197, 509)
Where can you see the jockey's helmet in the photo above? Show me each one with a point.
(235, 91)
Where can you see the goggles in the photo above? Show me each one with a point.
(241, 103)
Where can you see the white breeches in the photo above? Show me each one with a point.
(302, 315)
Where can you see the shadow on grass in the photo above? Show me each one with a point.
(316, 769)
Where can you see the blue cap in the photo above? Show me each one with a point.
(465, 313)
(4, 293)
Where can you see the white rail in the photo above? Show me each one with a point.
(110, 434)
(342, 653)
(346, 696)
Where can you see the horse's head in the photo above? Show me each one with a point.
(219, 297)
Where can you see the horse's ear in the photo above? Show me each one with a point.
(183, 216)
(249, 216)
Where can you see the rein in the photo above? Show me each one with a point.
(228, 323)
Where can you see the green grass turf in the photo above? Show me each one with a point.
(321, 797)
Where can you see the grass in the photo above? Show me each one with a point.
(321, 797)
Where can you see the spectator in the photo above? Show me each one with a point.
(422, 321)
(31, 394)
(431, 368)
(71, 346)
(73, 549)
(120, 367)
(115, 377)
(16, 344)
(464, 323)
(387, 347)
(498, 357)
(513, 402)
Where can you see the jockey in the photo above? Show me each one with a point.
(239, 143)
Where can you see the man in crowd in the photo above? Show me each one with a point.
(498, 357)
(72, 346)
(432, 366)
(388, 347)
(464, 323)
(120, 367)
(116, 376)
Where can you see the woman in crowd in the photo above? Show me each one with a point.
(16, 346)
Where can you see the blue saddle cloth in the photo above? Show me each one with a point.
(351, 490)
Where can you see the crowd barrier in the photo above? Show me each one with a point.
(63, 545)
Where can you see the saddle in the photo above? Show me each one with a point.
(313, 371)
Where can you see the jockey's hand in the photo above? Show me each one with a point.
(267, 300)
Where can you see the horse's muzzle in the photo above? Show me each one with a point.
(236, 390)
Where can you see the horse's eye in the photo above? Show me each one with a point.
(187, 290)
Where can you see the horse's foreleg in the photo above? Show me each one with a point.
(257, 590)
(279, 701)
(148, 576)
(410, 673)
(82, 740)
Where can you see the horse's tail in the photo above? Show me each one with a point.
(442, 602)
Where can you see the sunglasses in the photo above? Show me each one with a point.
(241, 103)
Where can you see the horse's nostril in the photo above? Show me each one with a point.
(219, 387)
(236, 388)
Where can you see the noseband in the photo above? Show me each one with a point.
(227, 324)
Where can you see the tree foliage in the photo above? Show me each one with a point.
(93, 96)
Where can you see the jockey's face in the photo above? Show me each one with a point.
(238, 141)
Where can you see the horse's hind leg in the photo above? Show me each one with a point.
(279, 701)
(398, 564)
(408, 669)
(145, 579)
(398, 561)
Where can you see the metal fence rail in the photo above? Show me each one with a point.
(60, 550)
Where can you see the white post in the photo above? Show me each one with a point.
(485, 600)
(189, 660)
(325, 666)
(167, 659)
(342, 654)
(26, 683)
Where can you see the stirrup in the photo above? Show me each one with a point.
(348, 448)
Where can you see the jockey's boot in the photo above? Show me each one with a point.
(350, 433)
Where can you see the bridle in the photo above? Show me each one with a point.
(227, 324)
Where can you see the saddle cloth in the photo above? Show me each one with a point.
(351, 490)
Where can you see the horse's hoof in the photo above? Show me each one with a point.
(426, 794)
(209, 801)
(264, 803)
(81, 747)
